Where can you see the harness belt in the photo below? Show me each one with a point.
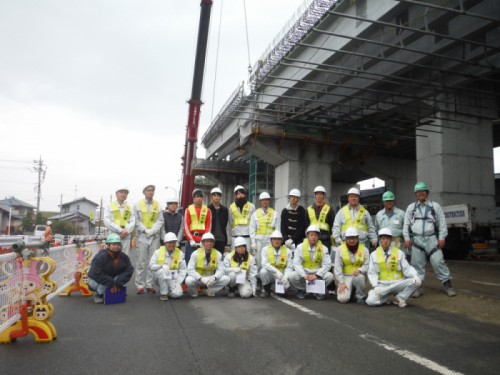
(423, 250)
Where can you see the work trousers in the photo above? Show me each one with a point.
(403, 289)
(144, 252)
(358, 282)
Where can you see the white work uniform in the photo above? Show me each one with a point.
(262, 240)
(393, 220)
(161, 272)
(421, 229)
(268, 272)
(364, 236)
(245, 290)
(146, 244)
(297, 277)
(109, 222)
(193, 278)
(241, 230)
(358, 282)
(403, 288)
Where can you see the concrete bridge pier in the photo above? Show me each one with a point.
(457, 163)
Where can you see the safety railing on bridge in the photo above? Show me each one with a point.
(32, 276)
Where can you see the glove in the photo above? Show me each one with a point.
(279, 275)
(204, 280)
(253, 247)
(236, 269)
(378, 291)
(149, 232)
(288, 242)
(192, 243)
(165, 267)
(417, 280)
(284, 280)
(211, 281)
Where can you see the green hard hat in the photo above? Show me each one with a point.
(420, 186)
(114, 238)
(388, 196)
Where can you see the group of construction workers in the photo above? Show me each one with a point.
(312, 251)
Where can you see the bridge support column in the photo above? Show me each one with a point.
(457, 164)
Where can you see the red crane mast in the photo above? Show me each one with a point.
(195, 104)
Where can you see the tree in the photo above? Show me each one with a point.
(63, 227)
(28, 225)
(40, 219)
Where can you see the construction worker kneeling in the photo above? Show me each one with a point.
(277, 265)
(241, 269)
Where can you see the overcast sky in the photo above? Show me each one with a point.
(98, 89)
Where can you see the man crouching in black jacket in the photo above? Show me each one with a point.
(110, 268)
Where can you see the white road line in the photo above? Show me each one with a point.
(485, 283)
(431, 365)
(427, 363)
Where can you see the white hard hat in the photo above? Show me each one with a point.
(353, 190)
(208, 236)
(49, 222)
(312, 228)
(170, 237)
(239, 241)
(172, 200)
(319, 189)
(264, 195)
(216, 190)
(351, 232)
(122, 188)
(276, 234)
(385, 232)
(239, 187)
(295, 192)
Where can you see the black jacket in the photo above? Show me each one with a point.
(223, 219)
(103, 271)
(293, 224)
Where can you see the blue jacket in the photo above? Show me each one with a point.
(105, 272)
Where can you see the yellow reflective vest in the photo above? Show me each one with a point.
(148, 218)
(176, 258)
(244, 265)
(359, 257)
(242, 218)
(307, 262)
(281, 260)
(200, 262)
(358, 220)
(321, 220)
(197, 224)
(388, 268)
(118, 218)
(265, 221)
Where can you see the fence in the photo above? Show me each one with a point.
(22, 282)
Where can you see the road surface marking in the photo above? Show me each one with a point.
(485, 283)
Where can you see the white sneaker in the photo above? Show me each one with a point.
(209, 293)
(194, 295)
(399, 302)
(98, 298)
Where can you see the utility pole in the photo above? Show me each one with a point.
(41, 169)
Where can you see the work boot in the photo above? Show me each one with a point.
(301, 294)
(417, 293)
(399, 302)
(449, 289)
(98, 298)
(164, 297)
(319, 296)
(231, 293)
(266, 291)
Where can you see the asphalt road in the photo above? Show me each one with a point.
(270, 336)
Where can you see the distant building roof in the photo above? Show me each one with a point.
(82, 199)
(14, 202)
(70, 216)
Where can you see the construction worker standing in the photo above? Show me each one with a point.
(173, 220)
(240, 212)
(262, 223)
(424, 231)
(206, 269)
(220, 217)
(197, 222)
(321, 215)
(356, 216)
(391, 217)
(311, 262)
(237, 261)
(277, 264)
(149, 221)
(119, 218)
(169, 268)
(389, 273)
(293, 221)
(350, 268)
(48, 234)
